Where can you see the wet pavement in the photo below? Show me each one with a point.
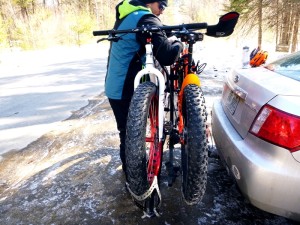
(73, 175)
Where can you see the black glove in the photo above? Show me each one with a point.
(225, 26)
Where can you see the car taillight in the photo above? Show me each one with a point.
(278, 127)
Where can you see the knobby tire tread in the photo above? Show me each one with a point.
(195, 150)
(136, 162)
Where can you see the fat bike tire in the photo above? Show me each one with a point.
(143, 152)
(194, 149)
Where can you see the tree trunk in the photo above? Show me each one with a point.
(287, 23)
(296, 17)
(33, 6)
(24, 13)
(260, 5)
(284, 27)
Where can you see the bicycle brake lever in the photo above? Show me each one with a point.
(102, 39)
(112, 38)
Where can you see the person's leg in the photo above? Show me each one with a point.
(120, 110)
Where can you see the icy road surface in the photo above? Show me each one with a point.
(68, 170)
(40, 88)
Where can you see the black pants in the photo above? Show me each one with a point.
(120, 109)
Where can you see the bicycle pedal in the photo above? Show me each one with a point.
(175, 137)
(167, 127)
(176, 170)
(170, 181)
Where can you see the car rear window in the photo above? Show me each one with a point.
(288, 66)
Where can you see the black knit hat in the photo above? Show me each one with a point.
(151, 1)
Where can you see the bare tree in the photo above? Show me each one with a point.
(282, 16)
(251, 12)
(295, 27)
(23, 5)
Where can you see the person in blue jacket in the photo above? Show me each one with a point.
(126, 56)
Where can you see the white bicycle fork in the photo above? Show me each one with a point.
(158, 79)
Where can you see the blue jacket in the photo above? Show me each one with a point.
(127, 56)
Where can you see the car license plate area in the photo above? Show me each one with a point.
(231, 101)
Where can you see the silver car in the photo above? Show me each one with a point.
(256, 128)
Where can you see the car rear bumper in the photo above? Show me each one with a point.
(258, 168)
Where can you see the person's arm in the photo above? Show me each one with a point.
(165, 51)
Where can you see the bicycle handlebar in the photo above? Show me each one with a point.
(189, 26)
(223, 28)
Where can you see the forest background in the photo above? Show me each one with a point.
(38, 24)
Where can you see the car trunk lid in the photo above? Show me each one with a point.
(241, 107)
